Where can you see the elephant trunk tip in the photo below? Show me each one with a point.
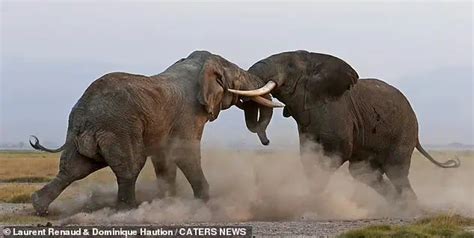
(263, 138)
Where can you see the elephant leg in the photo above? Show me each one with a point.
(397, 170)
(403, 187)
(165, 170)
(73, 166)
(126, 159)
(371, 176)
(318, 172)
(187, 155)
(318, 164)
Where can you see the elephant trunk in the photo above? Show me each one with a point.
(257, 115)
(257, 118)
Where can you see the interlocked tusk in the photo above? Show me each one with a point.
(265, 102)
(256, 92)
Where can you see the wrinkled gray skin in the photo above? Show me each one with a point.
(123, 118)
(372, 125)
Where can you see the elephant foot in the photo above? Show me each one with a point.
(171, 191)
(166, 194)
(41, 208)
(124, 206)
(204, 196)
(166, 190)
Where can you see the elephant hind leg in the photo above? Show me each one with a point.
(165, 171)
(126, 157)
(405, 197)
(73, 166)
(402, 186)
(398, 175)
(370, 175)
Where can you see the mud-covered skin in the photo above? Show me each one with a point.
(122, 118)
(364, 121)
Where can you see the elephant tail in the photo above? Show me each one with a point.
(452, 163)
(37, 146)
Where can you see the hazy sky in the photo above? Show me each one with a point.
(51, 52)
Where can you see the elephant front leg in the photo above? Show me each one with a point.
(195, 176)
(165, 170)
(318, 170)
(318, 164)
(188, 158)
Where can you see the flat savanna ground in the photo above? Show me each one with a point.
(264, 189)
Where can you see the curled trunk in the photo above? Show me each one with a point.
(257, 118)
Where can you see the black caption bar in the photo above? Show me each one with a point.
(126, 231)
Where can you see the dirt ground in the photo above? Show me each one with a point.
(301, 227)
(265, 189)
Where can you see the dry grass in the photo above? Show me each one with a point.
(17, 193)
(39, 167)
(22, 219)
(26, 180)
(25, 165)
(447, 220)
(21, 169)
(437, 226)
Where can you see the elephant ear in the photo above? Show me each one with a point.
(328, 80)
(211, 90)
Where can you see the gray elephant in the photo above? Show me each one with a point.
(372, 125)
(123, 118)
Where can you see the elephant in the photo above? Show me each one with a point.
(123, 118)
(364, 121)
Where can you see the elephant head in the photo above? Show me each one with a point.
(302, 79)
(217, 77)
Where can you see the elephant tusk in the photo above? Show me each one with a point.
(256, 92)
(265, 102)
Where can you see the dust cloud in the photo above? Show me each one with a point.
(270, 185)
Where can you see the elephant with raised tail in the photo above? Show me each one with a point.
(122, 118)
(364, 121)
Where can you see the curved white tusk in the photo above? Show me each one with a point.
(265, 102)
(256, 92)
